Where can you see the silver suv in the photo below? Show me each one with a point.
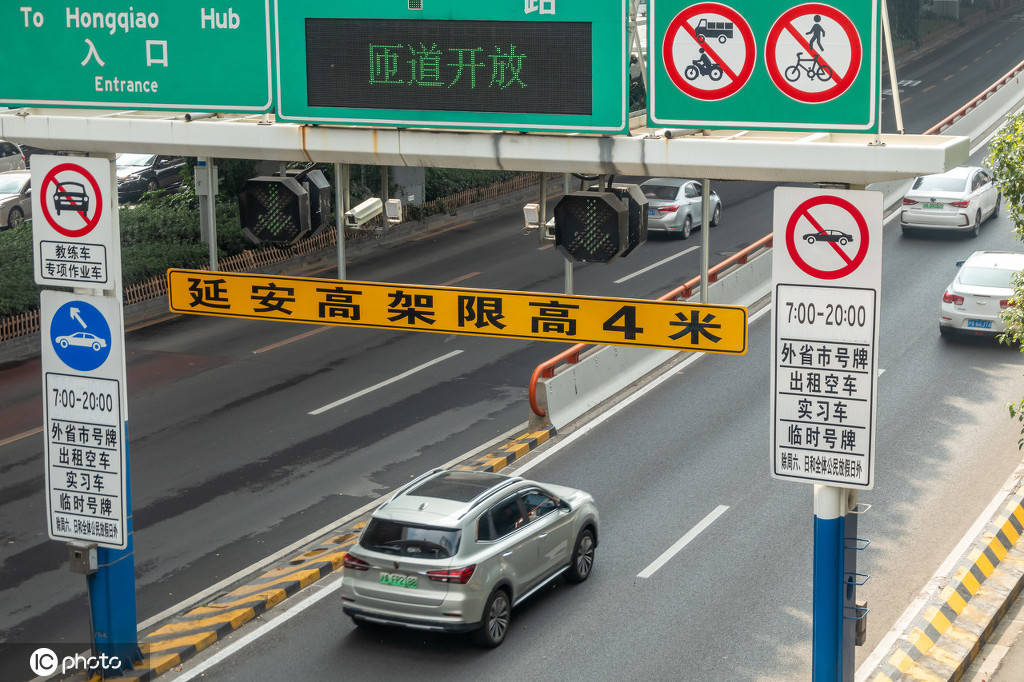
(454, 551)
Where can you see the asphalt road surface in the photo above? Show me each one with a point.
(229, 466)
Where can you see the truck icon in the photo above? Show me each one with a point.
(723, 30)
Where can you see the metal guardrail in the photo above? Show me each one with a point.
(945, 123)
(571, 356)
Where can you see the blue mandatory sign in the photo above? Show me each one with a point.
(80, 336)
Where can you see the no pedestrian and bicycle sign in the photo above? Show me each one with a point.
(182, 56)
(72, 233)
(753, 64)
(826, 277)
(84, 412)
(452, 310)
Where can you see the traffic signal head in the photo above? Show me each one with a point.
(315, 182)
(274, 210)
(592, 227)
(637, 202)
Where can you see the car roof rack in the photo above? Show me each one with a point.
(475, 502)
(410, 484)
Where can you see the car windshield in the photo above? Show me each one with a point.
(135, 159)
(665, 192)
(940, 183)
(407, 539)
(986, 277)
(11, 185)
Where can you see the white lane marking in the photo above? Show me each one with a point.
(325, 590)
(682, 542)
(387, 382)
(654, 265)
(939, 578)
(619, 406)
(881, 372)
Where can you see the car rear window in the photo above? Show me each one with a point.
(940, 183)
(664, 192)
(405, 539)
(986, 277)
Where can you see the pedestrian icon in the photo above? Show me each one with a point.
(80, 336)
(813, 53)
(709, 51)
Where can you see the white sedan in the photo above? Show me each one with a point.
(84, 339)
(981, 290)
(959, 199)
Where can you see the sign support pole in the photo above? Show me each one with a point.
(566, 188)
(830, 505)
(341, 198)
(705, 238)
(897, 106)
(112, 587)
(206, 190)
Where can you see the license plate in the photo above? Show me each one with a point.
(933, 205)
(979, 324)
(650, 211)
(399, 580)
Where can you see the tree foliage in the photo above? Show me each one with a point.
(1006, 159)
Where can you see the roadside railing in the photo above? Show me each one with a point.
(571, 356)
(945, 123)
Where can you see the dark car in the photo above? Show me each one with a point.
(70, 196)
(141, 173)
(829, 236)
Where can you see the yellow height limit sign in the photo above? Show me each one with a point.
(451, 310)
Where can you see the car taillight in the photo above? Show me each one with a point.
(1007, 303)
(355, 563)
(457, 575)
(960, 204)
(668, 209)
(908, 202)
(952, 298)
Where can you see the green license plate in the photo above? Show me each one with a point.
(933, 205)
(399, 580)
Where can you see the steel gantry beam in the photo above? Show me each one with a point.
(857, 159)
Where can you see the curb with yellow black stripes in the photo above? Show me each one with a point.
(916, 650)
(170, 644)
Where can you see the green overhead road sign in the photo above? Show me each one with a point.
(772, 65)
(185, 55)
(514, 65)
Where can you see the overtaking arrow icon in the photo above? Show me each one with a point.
(76, 316)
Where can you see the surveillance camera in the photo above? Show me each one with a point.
(363, 213)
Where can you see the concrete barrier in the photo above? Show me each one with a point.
(604, 371)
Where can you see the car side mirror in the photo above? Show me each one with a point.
(564, 506)
(960, 263)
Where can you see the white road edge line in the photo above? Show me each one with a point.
(654, 265)
(246, 640)
(387, 382)
(683, 542)
(931, 588)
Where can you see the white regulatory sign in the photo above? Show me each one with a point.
(826, 277)
(72, 223)
(84, 413)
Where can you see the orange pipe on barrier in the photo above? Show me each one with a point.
(572, 355)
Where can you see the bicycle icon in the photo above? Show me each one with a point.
(812, 66)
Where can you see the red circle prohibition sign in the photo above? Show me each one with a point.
(51, 178)
(784, 24)
(804, 211)
(682, 23)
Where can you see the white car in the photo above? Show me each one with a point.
(84, 339)
(959, 199)
(981, 290)
(11, 156)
